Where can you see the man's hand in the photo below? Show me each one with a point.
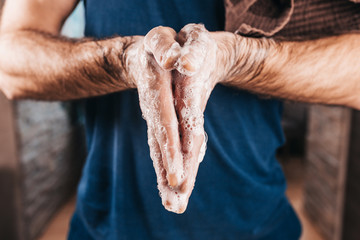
(154, 85)
(150, 62)
(176, 156)
(205, 61)
(194, 81)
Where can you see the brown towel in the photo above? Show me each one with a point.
(292, 19)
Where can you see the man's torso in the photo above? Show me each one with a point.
(239, 192)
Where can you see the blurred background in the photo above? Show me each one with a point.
(42, 151)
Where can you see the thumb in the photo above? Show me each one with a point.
(195, 40)
(160, 42)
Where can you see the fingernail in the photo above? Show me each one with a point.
(183, 186)
(187, 65)
(173, 180)
(167, 204)
(181, 209)
(178, 206)
(171, 56)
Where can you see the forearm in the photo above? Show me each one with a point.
(317, 71)
(37, 65)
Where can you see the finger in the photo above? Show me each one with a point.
(194, 39)
(192, 161)
(157, 102)
(190, 104)
(172, 200)
(167, 131)
(193, 86)
(160, 42)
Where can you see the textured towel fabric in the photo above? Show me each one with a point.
(292, 19)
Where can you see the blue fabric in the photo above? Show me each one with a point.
(239, 192)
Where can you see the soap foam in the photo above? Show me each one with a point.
(201, 80)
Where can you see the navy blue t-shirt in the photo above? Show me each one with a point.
(239, 191)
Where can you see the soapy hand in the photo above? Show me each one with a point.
(204, 62)
(174, 75)
(149, 62)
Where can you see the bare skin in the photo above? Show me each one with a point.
(37, 63)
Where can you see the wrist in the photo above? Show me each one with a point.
(248, 59)
(225, 54)
(113, 58)
(130, 55)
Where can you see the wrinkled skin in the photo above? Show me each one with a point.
(175, 75)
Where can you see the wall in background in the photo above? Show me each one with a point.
(332, 192)
(351, 218)
(51, 154)
(327, 159)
